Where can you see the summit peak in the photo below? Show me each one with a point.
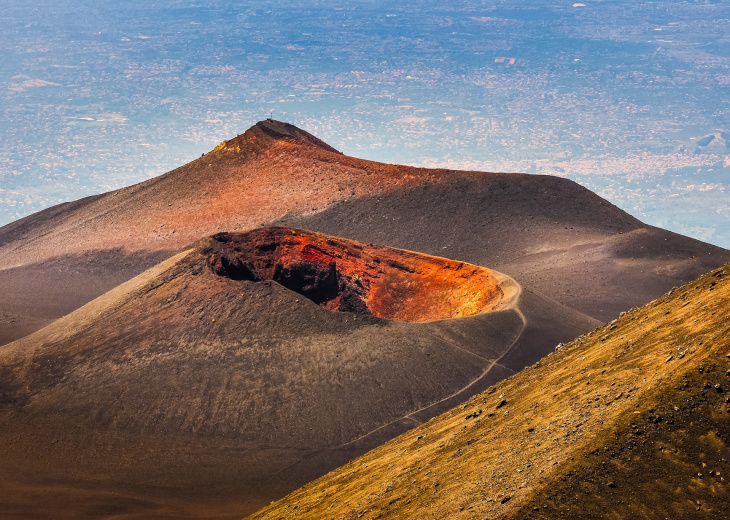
(279, 130)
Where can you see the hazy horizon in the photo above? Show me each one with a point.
(629, 99)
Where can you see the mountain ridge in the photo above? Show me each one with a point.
(537, 229)
(278, 130)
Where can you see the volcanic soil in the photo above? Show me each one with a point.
(552, 235)
(628, 421)
(247, 365)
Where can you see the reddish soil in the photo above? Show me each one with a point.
(345, 275)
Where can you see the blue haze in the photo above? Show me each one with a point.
(629, 98)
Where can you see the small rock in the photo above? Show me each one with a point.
(669, 359)
(505, 499)
(611, 484)
(501, 403)
(718, 388)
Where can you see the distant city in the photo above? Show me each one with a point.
(629, 98)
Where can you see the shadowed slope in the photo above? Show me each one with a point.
(32, 296)
(549, 233)
(629, 421)
(184, 393)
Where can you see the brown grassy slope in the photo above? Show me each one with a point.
(629, 421)
(183, 393)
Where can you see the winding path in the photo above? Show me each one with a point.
(512, 292)
(510, 302)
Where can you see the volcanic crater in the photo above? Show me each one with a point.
(349, 276)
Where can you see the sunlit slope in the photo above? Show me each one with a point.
(269, 170)
(240, 369)
(629, 421)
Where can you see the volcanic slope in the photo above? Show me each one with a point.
(552, 235)
(629, 421)
(549, 233)
(239, 369)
